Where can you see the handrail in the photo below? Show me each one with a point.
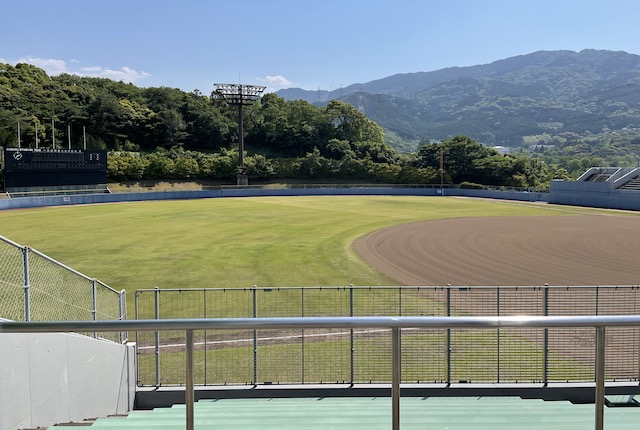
(394, 323)
(383, 287)
(321, 323)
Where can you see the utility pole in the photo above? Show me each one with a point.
(441, 169)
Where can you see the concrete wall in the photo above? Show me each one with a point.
(577, 193)
(593, 194)
(29, 202)
(60, 378)
(496, 194)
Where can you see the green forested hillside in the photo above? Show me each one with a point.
(165, 133)
(122, 116)
(560, 98)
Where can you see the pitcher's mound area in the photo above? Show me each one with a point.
(556, 250)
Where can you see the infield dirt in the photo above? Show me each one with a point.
(503, 251)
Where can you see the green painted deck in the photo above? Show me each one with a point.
(441, 413)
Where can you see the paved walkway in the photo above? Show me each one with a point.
(441, 413)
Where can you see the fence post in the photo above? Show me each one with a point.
(137, 314)
(157, 316)
(395, 377)
(26, 284)
(600, 362)
(122, 305)
(498, 335)
(255, 336)
(189, 391)
(448, 335)
(204, 310)
(545, 350)
(94, 304)
(351, 340)
(302, 332)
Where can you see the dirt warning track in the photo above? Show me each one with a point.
(531, 250)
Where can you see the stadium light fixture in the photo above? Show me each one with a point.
(239, 95)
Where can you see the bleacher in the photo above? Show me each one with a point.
(633, 184)
(617, 178)
(353, 413)
(598, 177)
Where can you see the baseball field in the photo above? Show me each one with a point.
(332, 241)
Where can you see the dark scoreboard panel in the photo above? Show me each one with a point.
(28, 167)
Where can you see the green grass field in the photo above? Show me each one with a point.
(235, 242)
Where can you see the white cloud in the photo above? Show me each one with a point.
(275, 83)
(55, 67)
(124, 74)
(50, 65)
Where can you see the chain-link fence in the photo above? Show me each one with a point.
(254, 357)
(35, 287)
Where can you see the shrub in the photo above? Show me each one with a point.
(472, 186)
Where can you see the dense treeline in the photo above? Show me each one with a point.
(180, 164)
(465, 161)
(165, 133)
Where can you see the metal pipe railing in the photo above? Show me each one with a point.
(392, 323)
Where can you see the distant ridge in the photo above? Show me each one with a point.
(500, 102)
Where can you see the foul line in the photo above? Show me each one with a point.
(297, 336)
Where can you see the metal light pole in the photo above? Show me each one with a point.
(239, 95)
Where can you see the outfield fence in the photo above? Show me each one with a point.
(360, 356)
(35, 287)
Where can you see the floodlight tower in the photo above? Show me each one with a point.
(239, 95)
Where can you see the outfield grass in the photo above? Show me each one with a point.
(235, 242)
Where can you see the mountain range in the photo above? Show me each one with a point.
(501, 103)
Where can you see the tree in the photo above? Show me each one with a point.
(351, 124)
(459, 155)
(466, 160)
(314, 165)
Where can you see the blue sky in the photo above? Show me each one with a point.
(312, 44)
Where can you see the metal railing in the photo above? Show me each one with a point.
(35, 287)
(517, 355)
(394, 325)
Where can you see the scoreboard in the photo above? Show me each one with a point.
(29, 167)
